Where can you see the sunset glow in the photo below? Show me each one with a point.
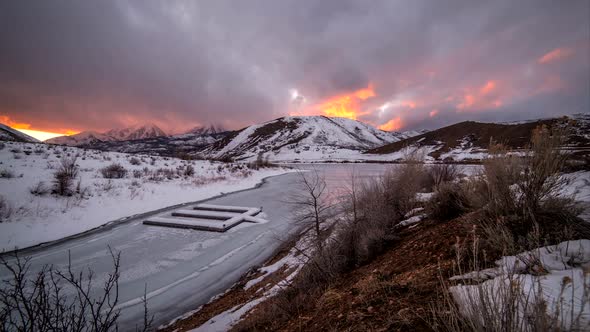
(484, 97)
(44, 135)
(345, 105)
(392, 125)
(26, 128)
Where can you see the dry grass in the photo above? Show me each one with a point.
(505, 303)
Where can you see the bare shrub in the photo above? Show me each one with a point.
(6, 174)
(311, 204)
(2, 146)
(372, 209)
(113, 171)
(5, 209)
(400, 186)
(162, 173)
(189, 170)
(450, 200)
(64, 176)
(369, 226)
(16, 150)
(59, 300)
(260, 162)
(134, 161)
(440, 173)
(225, 159)
(501, 171)
(39, 189)
(137, 173)
(540, 179)
(524, 190)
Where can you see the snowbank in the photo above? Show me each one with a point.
(554, 277)
(151, 183)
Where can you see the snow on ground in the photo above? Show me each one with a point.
(578, 186)
(151, 183)
(556, 275)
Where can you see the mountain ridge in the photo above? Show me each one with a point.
(301, 137)
(123, 134)
(8, 133)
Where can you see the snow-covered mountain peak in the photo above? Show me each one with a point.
(296, 137)
(207, 130)
(124, 134)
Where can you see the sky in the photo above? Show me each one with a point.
(68, 66)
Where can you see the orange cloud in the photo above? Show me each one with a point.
(488, 87)
(11, 123)
(392, 125)
(484, 97)
(38, 134)
(433, 113)
(555, 55)
(345, 105)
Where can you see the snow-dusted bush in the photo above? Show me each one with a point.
(113, 171)
(189, 170)
(39, 189)
(5, 209)
(64, 176)
(137, 173)
(6, 174)
(134, 161)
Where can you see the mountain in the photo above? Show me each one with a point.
(83, 138)
(89, 138)
(207, 130)
(10, 134)
(174, 146)
(469, 140)
(135, 132)
(310, 138)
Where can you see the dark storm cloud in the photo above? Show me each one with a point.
(99, 64)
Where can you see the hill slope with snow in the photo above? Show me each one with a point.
(10, 134)
(469, 140)
(302, 138)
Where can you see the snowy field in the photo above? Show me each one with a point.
(31, 214)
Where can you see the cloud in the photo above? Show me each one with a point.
(555, 55)
(100, 64)
(392, 125)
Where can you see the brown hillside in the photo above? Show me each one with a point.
(392, 293)
(479, 134)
